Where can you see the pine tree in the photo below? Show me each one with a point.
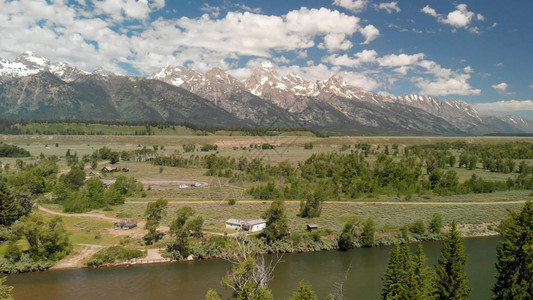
(5, 290)
(395, 281)
(451, 277)
(9, 208)
(420, 281)
(515, 256)
(304, 292)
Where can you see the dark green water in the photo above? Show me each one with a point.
(191, 280)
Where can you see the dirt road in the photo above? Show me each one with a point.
(99, 216)
(81, 252)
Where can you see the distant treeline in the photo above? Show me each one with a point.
(13, 127)
(510, 134)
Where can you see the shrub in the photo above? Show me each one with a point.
(418, 227)
(112, 254)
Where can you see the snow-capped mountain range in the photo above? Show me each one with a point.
(28, 63)
(264, 99)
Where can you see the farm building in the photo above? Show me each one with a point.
(109, 169)
(250, 225)
(312, 227)
(125, 225)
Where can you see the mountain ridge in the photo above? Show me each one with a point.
(264, 99)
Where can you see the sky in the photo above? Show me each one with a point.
(477, 51)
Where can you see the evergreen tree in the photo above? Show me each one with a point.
(369, 229)
(276, 221)
(420, 280)
(451, 277)
(9, 208)
(304, 292)
(5, 290)
(406, 276)
(396, 278)
(515, 256)
(212, 295)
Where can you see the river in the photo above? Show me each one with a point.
(191, 280)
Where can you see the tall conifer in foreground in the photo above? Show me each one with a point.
(395, 281)
(515, 256)
(421, 277)
(406, 276)
(451, 281)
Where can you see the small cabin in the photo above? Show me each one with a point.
(250, 225)
(125, 225)
(109, 169)
(233, 224)
(254, 225)
(312, 227)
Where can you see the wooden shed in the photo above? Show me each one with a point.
(312, 227)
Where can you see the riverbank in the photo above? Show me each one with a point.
(95, 229)
(191, 280)
(155, 256)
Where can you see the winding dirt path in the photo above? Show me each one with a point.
(99, 216)
(83, 251)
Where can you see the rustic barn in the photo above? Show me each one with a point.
(108, 169)
(312, 227)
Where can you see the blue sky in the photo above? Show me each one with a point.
(478, 51)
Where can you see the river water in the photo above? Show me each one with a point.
(191, 280)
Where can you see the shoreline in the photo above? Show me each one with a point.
(164, 260)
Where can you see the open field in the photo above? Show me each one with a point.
(479, 214)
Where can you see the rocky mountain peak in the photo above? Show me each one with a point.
(220, 76)
(263, 77)
(32, 60)
(103, 72)
(178, 75)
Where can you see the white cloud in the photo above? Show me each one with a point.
(468, 69)
(134, 9)
(430, 11)
(504, 106)
(402, 70)
(531, 86)
(500, 87)
(353, 5)
(281, 60)
(370, 33)
(461, 17)
(256, 10)
(394, 60)
(365, 56)
(212, 10)
(336, 41)
(456, 85)
(390, 7)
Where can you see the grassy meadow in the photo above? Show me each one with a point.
(211, 200)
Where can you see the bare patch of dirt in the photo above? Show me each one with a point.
(75, 260)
